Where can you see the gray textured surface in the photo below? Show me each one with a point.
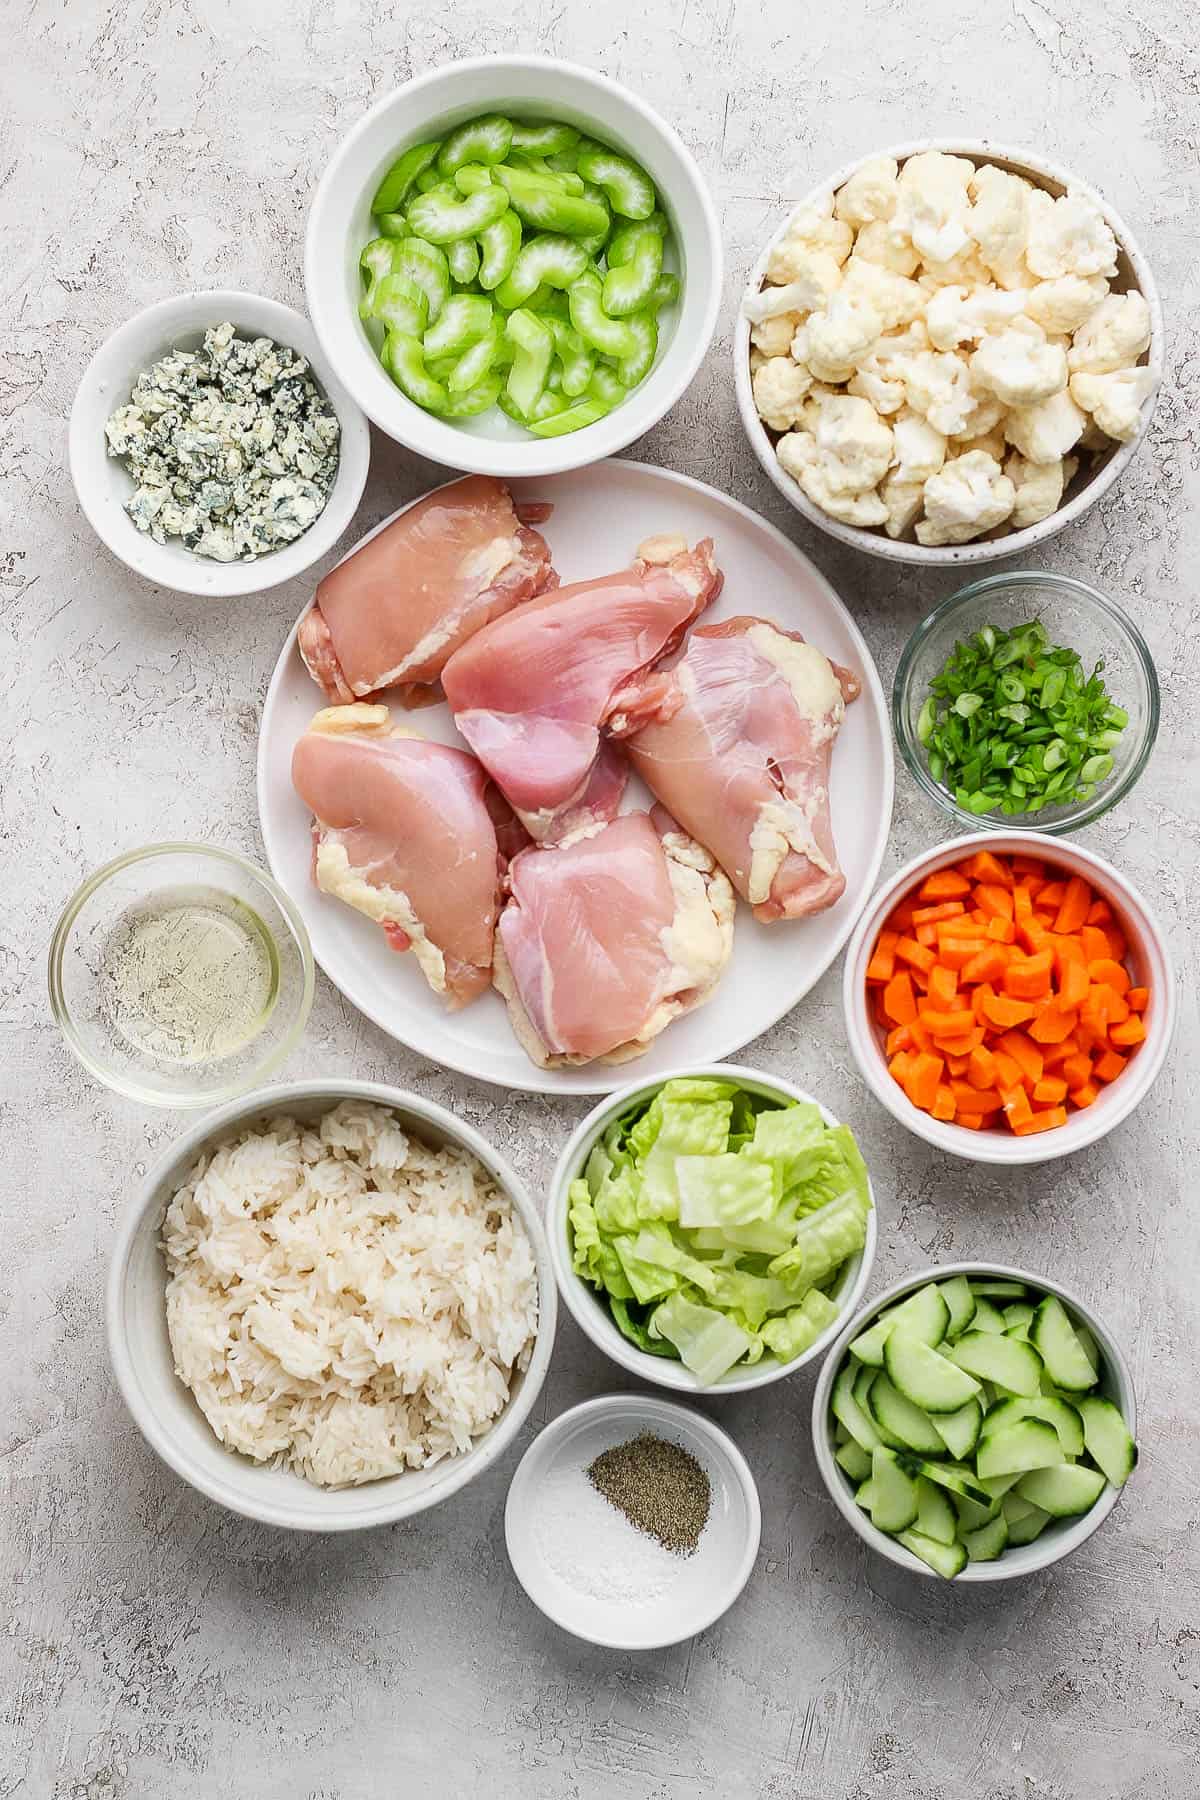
(152, 1645)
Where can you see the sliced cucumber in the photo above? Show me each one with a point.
(1018, 1318)
(840, 1434)
(1029, 1526)
(1071, 1488)
(1090, 1347)
(996, 1486)
(1000, 1288)
(1067, 1362)
(893, 1493)
(972, 1513)
(945, 1559)
(925, 1376)
(958, 1297)
(1029, 1444)
(863, 1384)
(988, 1318)
(854, 1460)
(846, 1408)
(1107, 1438)
(898, 1418)
(989, 1541)
(959, 1431)
(1014, 1508)
(957, 1478)
(1052, 1411)
(924, 1315)
(935, 1515)
(1007, 1361)
(865, 1495)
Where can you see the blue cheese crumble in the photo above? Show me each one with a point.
(233, 448)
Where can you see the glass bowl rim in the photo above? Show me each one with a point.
(1107, 796)
(129, 1087)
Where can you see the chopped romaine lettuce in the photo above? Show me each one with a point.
(723, 1190)
(708, 1342)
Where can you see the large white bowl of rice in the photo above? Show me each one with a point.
(331, 1305)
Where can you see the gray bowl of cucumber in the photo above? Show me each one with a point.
(975, 1423)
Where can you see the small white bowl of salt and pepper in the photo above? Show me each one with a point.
(247, 460)
(633, 1522)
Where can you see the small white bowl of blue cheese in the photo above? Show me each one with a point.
(212, 447)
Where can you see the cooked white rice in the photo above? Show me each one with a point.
(345, 1300)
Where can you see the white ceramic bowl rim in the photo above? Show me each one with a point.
(586, 1306)
(665, 1415)
(1015, 542)
(238, 1495)
(98, 478)
(1010, 1566)
(513, 459)
(1082, 1128)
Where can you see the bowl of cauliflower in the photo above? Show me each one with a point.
(948, 352)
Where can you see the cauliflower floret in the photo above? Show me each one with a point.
(870, 193)
(806, 270)
(1114, 400)
(1018, 365)
(895, 344)
(920, 451)
(774, 302)
(854, 446)
(816, 226)
(797, 453)
(1061, 306)
(885, 242)
(1113, 338)
(1039, 488)
(774, 336)
(905, 502)
(1043, 433)
(835, 340)
(895, 299)
(999, 222)
(1068, 236)
(969, 495)
(956, 315)
(991, 442)
(933, 204)
(872, 382)
(967, 269)
(938, 384)
(779, 389)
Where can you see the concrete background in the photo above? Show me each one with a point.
(151, 1645)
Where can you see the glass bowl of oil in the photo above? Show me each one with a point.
(181, 975)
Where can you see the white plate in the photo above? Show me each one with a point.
(600, 516)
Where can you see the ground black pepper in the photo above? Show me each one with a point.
(659, 1486)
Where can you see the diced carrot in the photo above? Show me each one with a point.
(1118, 947)
(956, 1065)
(922, 1039)
(1050, 1090)
(1025, 1054)
(881, 1017)
(956, 953)
(1073, 912)
(995, 902)
(981, 1068)
(1109, 1001)
(1073, 978)
(1002, 1012)
(1008, 1070)
(946, 1024)
(974, 1100)
(980, 998)
(900, 917)
(1002, 931)
(1091, 1033)
(900, 1064)
(1028, 865)
(1107, 1066)
(1137, 999)
(943, 985)
(1042, 1121)
(944, 884)
(926, 935)
(961, 1045)
(976, 916)
(929, 915)
(1093, 941)
(921, 1083)
(1017, 1109)
(1110, 972)
(1129, 1031)
(988, 965)
(898, 1038)
(1051, 896)
(943, 1104)
(920, 980)
(1076, 1070)
(1085, 1095)
(983, 866)
(882, 965)
(1029, 978)
(1051, 1026)
(909, 951)
(1099, 912)
(1022, 905)
(1054, 1055)
(899, 1001)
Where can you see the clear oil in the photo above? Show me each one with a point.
(189, 976)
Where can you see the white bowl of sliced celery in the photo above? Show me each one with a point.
(712, 1229)
(975, 1423)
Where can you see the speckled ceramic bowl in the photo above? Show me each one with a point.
(1099, 472)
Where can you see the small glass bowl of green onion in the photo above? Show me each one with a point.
(1026, 699)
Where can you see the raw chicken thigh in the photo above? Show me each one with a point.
(606, 939)
(532, 690)
(735, 740)
(394, 611)
(405, 831)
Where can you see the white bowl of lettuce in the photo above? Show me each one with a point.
(713, 1229)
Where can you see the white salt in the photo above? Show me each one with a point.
(593, 1548)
